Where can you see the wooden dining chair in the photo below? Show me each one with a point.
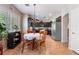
(43, 37)
(27, 43)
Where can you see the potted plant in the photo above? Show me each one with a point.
(15, 27)
(2, 28)
(3, 34)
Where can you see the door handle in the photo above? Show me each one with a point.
(73, 32)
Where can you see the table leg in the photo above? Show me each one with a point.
(33, 44)
(23, 46)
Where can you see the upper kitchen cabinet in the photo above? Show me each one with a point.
(38, 23)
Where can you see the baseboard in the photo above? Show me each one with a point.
(77, 52)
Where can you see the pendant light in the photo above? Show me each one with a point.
(34, 19)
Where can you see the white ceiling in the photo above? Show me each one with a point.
(44, 10)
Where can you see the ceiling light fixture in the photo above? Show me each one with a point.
(34, 10)
(27, 4)
(34, 19)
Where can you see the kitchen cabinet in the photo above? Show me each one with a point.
(14, 38)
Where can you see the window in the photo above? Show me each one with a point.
(4, 18)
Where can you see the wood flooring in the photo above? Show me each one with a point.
(52, 48)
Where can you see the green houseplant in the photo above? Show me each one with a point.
(2, 24)
(2, 29)
(3, 34)
(15, 27)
